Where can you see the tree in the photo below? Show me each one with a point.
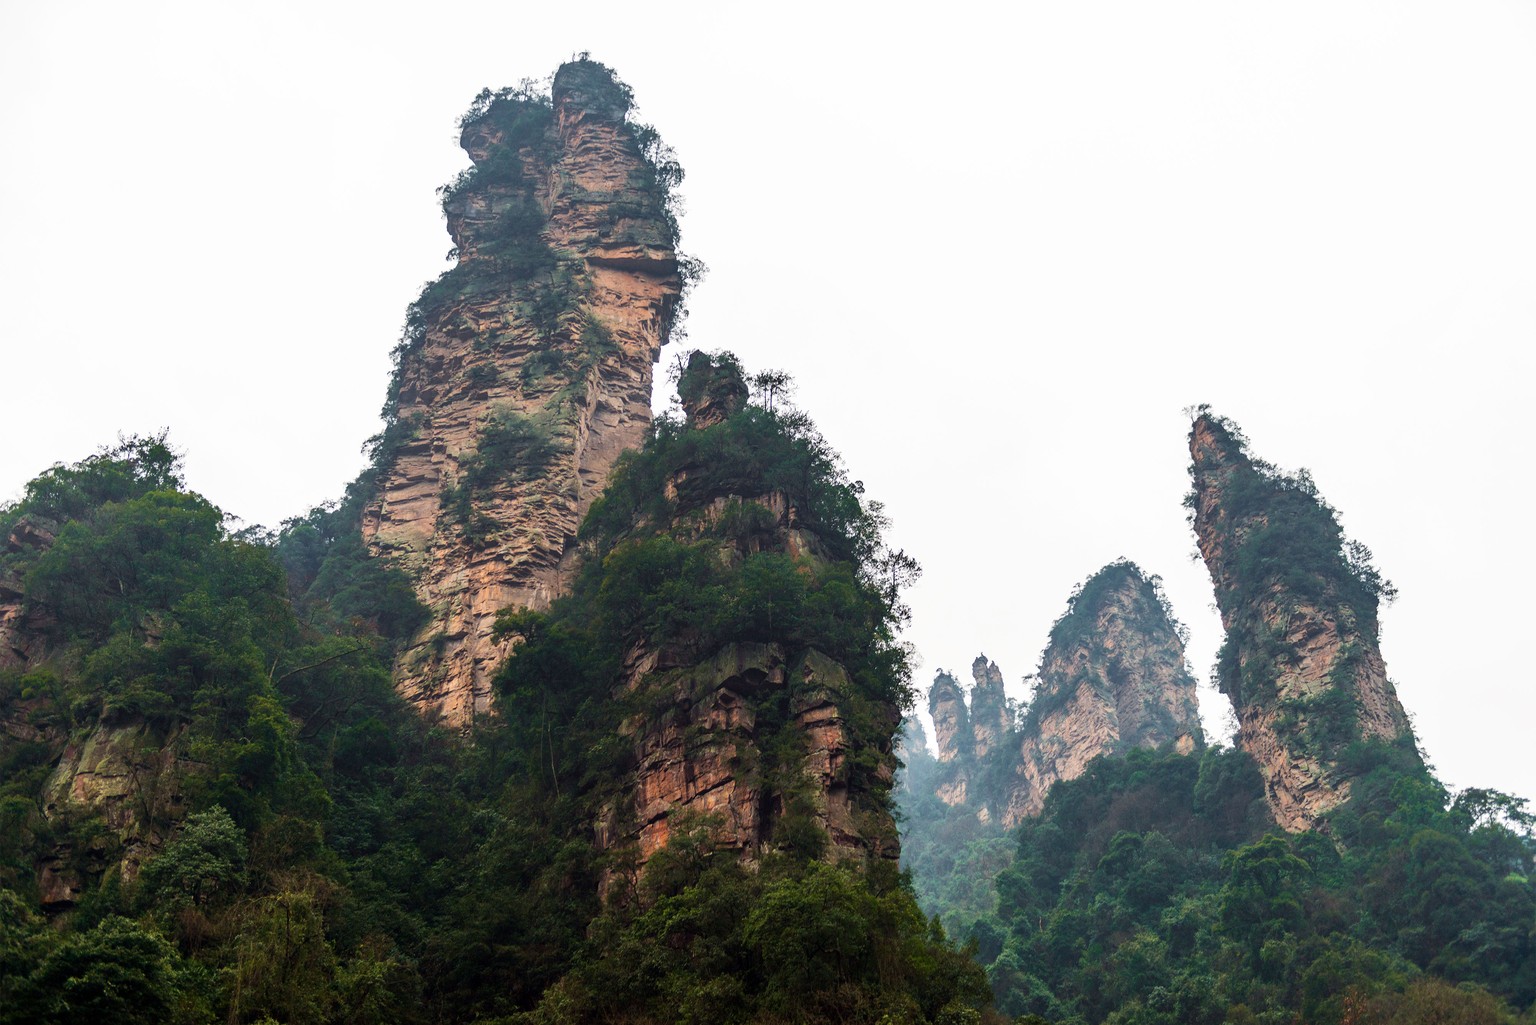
(206, 861)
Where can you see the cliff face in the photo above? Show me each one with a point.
(752, 740)
(22, 628)
(697, 755)
(989, 707)
(1302, 663)
(967, 733)
(132, 777)
(951, 717)
(526, 370)
(1112, 678)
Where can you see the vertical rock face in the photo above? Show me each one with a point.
(21, 628)
(525, 371)
(1112, 678)
(989, 707)
(1302, 661)
(951, 718)
(967, 734)
(754, 740)
(690, 760)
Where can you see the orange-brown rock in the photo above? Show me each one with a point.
(699, 756)
(1302, 664)
(989, 715)
(526, 371)
(752, 741)
(1112, 678)
(951, 718)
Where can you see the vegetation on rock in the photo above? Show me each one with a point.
(330, 858)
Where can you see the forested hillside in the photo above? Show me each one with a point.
(218, 808)
(567, 713)
(1317, 873)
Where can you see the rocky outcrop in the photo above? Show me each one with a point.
(131, 778)
(989, 714)
(1113, 677)
(526, 370)
(23, 628)
(752, 742)
(699, 762)
(951, 717)
(715, 390)
(1302, 662)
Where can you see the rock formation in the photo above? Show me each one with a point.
(22, 628)
(752, 740)
(1112, 678)
(989, 716)
(967, 733)
(951, 718)
(132, 776)
(525, 370)
(1302, 661)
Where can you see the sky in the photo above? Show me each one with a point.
(1002, 251)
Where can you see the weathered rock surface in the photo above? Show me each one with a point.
(133, 778)
(951, 718)
(1303, 664)
(713, 393)
(1112, 678)
(740, 739)
(989, 716)
(542, 349)
(23, 630)
(698, 759)
(122, 773)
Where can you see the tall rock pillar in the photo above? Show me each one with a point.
(1302, 660)
(525, 370)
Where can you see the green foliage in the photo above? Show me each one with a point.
(717, 379)
(205, 862)
(1280, 541)
(130, 469)
(336, 583)
(511, 449)
(798, 941)
(1148, 890)
(116, 972)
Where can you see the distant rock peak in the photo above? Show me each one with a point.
(1112, 678)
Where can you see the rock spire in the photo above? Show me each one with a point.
(1302, 662)
(525, 370)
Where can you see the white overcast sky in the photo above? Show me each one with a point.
(1002, 252)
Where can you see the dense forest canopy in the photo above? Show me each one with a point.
(316, 852)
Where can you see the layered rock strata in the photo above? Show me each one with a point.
(1113, 677)
(1302, 662)
(951, 718)
(753, 735)
(691, 760)
(525, 372)
(989, 715)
